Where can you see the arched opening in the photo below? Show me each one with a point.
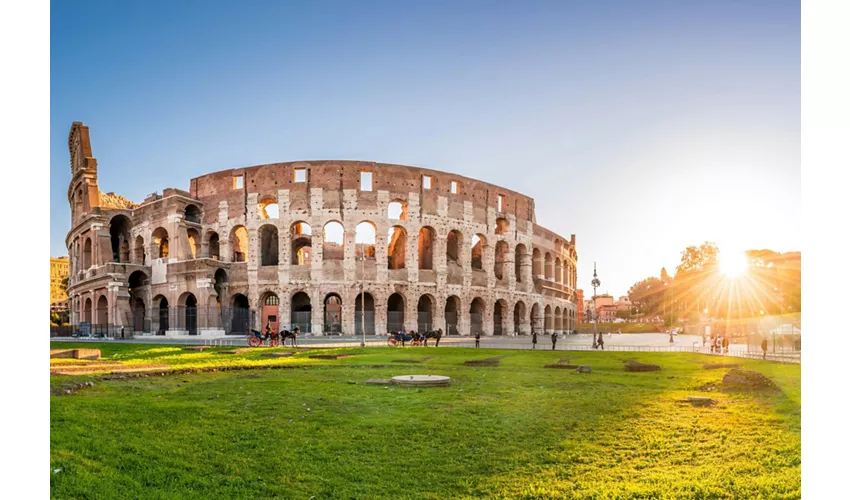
(559, 278)
(536, 319)
(87, 312)
(139, 251)
(137, 309)
(268, 209)
(364, 313)
(426, 247)
(136, 283)
(119, 235)
(396, 248)
(397, 210)
(192, 214)
(479, 244)
(302, 312)
(547, 319)
(425, 313)
(500, 267)
(476, 316)
(499, 308)
(161, 315)
(557, 320)
(268, 245)
(213, 248)
(502, 226)
(188, 313)
(548, 267)
(102, 314)
(454, 267)
(87, 254)
(240, 321)
(333, 315)
(269, 316)
(302, 243)
(536, 264)
(239, 244)
(519, 262)
(519, 317)
(333, 247)
(452, 307)
(160, 240)
(395, 313)
(365, 235)
(194, 243)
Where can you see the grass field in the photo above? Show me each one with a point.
(516, 430)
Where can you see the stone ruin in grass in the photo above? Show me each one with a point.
(637, 366)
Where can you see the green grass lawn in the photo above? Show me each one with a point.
(513, 431)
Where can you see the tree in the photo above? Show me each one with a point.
(648, 294)
(701, 258)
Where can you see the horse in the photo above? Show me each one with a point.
(433, 334)
(396, 337)
(286, 334)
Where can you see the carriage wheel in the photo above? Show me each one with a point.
(274, 342)
(254, 341)
(392, 342)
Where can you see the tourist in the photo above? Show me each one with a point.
(554, 340)
(439, 336)
(534, 340)
(477, 339)
(601, 343)
(726, 345)
(764, 348)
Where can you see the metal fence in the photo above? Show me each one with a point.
(423, 321)
(333, 323)
(370, 322)
(451, 323)
(395, 321)
(303, 320)
(476, 323)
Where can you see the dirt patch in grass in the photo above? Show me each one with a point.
(484, 362)
(111, 368)
(329, 356)
(637, 366)
(563, 364)
(746, 381)
(717, 366)
(414, 360)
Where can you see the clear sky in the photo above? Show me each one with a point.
(641, 126)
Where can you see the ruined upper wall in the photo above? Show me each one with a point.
(335, 176)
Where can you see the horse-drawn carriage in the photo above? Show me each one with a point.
(415, 339)
(257, 338)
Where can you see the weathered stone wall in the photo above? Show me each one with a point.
(331, 192)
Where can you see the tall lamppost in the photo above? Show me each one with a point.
(595, 283)
(363, 297)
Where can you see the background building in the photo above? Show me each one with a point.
(60, 269)
(580, 306)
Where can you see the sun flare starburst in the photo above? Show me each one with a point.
(733, 264)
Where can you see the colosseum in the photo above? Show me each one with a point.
(334, 247)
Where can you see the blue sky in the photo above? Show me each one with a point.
(640, 126)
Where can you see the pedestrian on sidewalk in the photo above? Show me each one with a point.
(601, 343)
(764, 348)
(554, 340)
(534, 340)
(726, 345)
(477, 339)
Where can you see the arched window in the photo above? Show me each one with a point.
(500, 267)
(194, 243)
(268, 245)
(426, 247)
(239, 244)
(396, 248)
(502, 226)
(119, 234)
(268, 209)
(192, 214)
(364, 238)
(333, 245)
(302, 243)
(160, 239)
(479, 244)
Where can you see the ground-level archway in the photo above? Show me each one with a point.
(240, 321)
(395, 313)
(302, 312)
(333, 315)
(476, 316)
(269, 316)
(364, 313)
(451, 315)
(425, 313)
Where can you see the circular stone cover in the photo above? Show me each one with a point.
(430, 380)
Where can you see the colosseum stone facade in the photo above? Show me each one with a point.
(330, 246)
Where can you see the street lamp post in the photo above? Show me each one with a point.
(363, 298)
(595, 283)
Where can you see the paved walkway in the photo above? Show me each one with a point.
(646, 342)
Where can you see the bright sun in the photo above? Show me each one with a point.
(732, 264)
